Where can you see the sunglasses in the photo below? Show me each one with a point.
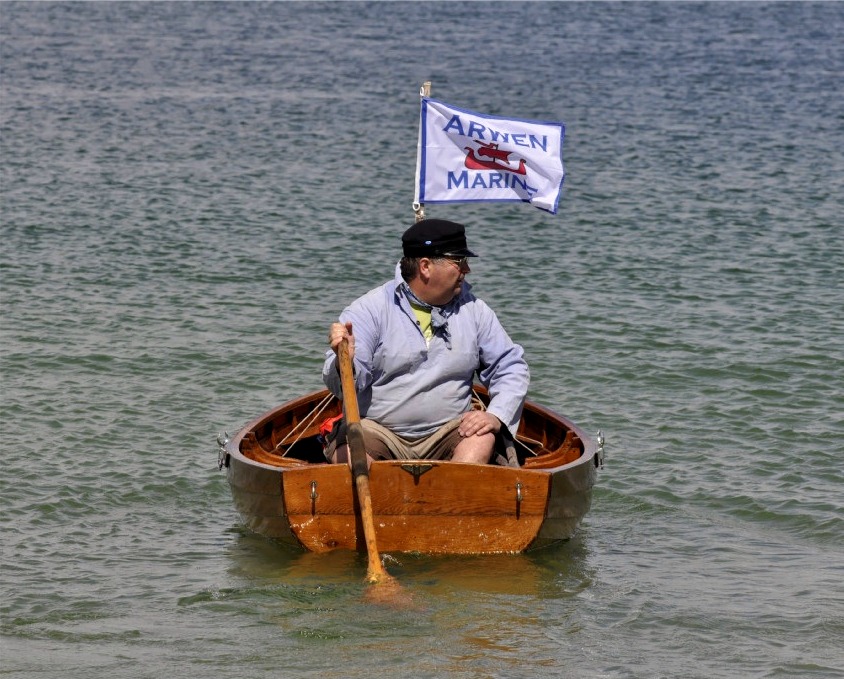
(460, 262)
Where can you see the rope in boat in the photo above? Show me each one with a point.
(309, 419)
(482, 406)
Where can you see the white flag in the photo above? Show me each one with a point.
(466, 156)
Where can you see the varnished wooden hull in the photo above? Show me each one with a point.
(430, 507)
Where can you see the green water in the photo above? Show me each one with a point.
(192, 192)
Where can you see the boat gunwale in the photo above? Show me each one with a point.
(232, 447)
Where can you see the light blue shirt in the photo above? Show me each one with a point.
(413, 387)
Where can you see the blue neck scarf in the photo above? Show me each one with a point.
(439, 316)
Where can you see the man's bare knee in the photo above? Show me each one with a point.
(475, 449)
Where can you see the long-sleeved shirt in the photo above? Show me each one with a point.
(413, 387)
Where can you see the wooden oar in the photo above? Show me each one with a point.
(360, 471)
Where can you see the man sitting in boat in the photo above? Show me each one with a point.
(416, 344)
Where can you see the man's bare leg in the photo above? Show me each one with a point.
(476, 449)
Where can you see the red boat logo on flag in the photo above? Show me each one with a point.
(466, 156)
(500, 160)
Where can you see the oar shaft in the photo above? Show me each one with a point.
(360, 469)
(357, 451)
(375, 569)
(347, 380)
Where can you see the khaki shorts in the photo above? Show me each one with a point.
(383, 444)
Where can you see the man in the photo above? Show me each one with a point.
(416, 343)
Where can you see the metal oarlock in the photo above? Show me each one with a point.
(599, 455)
(223, 457)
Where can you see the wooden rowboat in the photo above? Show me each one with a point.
(284, 489)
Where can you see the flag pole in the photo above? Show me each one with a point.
(419, 208)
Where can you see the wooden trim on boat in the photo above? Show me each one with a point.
(287, 490)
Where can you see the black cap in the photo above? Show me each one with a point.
(431, 237)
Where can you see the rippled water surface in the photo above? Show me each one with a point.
(192, 192)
